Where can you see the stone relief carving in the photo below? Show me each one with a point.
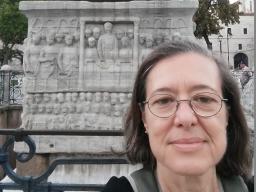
(91, 54)
(68, 58)
(125, 51)
(31, 55)
(148, 47)
(107, 45)
(75, 110)
(48, 58)
(107, 55)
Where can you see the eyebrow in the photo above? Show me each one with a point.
(202, 86)
(193, 88)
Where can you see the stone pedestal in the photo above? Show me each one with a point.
(80, 61)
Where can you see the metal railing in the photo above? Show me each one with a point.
(39, 183)
(11, 87)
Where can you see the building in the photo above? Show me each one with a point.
(246, 6)
(235, 43)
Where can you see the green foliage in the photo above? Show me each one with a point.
(13, 30)
(211, 14)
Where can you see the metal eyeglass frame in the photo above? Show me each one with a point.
(178, 103)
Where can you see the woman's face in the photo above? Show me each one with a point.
(186, 144)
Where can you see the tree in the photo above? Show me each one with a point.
(13, 30)
(211, 14)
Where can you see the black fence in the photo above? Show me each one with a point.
(39, 183)
(11, 87)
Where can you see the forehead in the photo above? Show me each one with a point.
(186, 72)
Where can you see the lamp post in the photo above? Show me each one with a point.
(220, 41)
(229, 34)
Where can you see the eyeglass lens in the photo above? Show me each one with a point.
(203, 104)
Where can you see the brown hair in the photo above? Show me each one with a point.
(236, 160)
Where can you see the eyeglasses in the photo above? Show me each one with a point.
(203, 104)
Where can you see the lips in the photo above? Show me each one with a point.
(188, 144)
(188, 140)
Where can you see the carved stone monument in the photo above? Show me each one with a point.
(80, 61)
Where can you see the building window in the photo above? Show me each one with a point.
(229, 31)
(240, 46)
(245, 30)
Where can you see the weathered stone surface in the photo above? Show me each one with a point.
(80, 61)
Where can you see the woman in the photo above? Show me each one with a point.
(185, 125)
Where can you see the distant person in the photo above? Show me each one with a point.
(246, 74)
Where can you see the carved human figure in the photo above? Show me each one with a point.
(167, 39)
(87, 34)
(91, 53)
(76, 38)
(96, 109)
(96, 33)
(106, 102)
(31, 55)
(38, 98)
(41, 109)
(54, 97)
(63, 120)
(123, 101)
(48, 58)
(97, 104)
(46, 102)
(113, 98)
(68, 58)
(49, 109)
(26, 117)
(87, 107)
(117, 119)
(159, 39)
(148, 49)
(130, 35)
(46, 98)
(29, 99)
(56, 109)
(89, 96)
(74, 97)
(119, 34)
(60, 98)
(59, 38)
(68, 98)
(105, 122)
(142, 39)
(126, 103)
(108, 44)
(81, 102)
(34, 109)
(125, 52)
(64, 109)
(82, 97)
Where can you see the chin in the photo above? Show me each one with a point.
(191, 168)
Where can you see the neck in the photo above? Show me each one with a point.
(173, 182)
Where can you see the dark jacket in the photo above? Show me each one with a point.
(118, 185)
(143, 178)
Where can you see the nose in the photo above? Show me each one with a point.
(185, 116)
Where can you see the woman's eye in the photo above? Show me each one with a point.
(203, 99)
(163, 101)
